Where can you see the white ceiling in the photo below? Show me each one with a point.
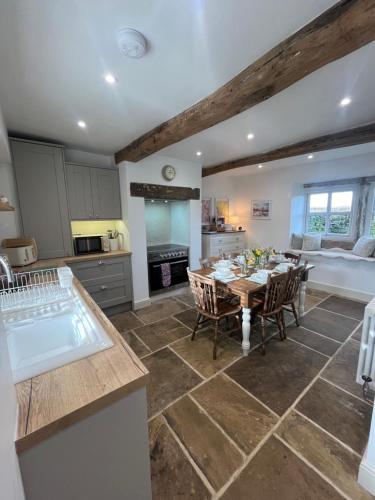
(307, 109)
(53, 55)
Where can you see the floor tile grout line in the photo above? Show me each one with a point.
(325, 336)
(204, 380)
(218, 426)
(287, 413)
(308, 347)
(183, 302)
(254, 452)
(187, 363)
(167, 345)
(337, 314)
(346, 391)
(140, 340)
(251, 395)
(332, 436)
(196, 468)
(137, 317)
(320, 334)
(313, 467)
(280, 419)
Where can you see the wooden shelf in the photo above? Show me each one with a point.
(5, 207)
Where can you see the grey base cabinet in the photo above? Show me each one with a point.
(93, 193)
(107, 280)
(39, 170)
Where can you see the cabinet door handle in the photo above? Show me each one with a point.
(103, 287)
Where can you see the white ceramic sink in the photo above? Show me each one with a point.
(46, 337)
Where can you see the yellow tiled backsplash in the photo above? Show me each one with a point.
(100, 227)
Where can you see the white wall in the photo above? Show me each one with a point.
(10, 479)
(284, 187)
(188, 174)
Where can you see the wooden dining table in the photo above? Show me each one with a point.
(246, 289)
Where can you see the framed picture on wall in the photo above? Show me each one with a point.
(206, 210)
(261, 209)
(222, 208)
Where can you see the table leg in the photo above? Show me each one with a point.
(302, 296)
(246, 315)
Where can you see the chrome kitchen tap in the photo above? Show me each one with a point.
(4, 263)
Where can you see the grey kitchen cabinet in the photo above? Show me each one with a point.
(78, 183)
(40, 178)
(108, 280)
(106, 193)
(93, 193)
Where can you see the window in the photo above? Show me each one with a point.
(330, 212)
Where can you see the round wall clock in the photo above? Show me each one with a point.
(168, 172)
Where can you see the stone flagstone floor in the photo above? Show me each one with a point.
(288, 425)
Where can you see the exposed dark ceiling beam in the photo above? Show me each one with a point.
(338, 31)
(351, 137)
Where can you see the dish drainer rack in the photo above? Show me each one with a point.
(35, 288)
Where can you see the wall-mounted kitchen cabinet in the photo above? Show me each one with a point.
(93, 193)
(39, 170)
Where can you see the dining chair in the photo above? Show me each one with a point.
(222, 292)
(208, 262)
(209, 306)
(293, 257)
(271, 306)
(295, 276)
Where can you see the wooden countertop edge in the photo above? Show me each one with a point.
(27, 440)
(62, 261)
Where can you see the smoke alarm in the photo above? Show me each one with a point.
(132, 43)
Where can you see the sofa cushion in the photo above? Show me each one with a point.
(344, 244)
(364, 247)
(296, 241)
(311, 242)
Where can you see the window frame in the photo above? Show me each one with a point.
(353, 213)
(370, 212)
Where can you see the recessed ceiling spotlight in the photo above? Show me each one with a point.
(250, 136)
(199, 153)
(310, 157)
(109, 78)
(81, 124)
(260, 166)
(132, 43)
(165, 201)
(345, 102)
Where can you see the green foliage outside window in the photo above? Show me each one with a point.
(339, 224)
(372, 227)
(317, 224)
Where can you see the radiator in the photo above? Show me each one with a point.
(366, 361)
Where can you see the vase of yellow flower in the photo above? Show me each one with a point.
(257, 254)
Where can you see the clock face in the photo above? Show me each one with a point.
(168, 172)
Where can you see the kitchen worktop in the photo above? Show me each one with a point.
(61, 261)
(57, 399)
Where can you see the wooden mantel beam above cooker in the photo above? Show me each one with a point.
(340, 30)
(351, 137)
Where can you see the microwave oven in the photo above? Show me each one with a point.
(90, 244)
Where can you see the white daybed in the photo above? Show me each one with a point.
(340, 271)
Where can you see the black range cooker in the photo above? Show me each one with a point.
(165, 276)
